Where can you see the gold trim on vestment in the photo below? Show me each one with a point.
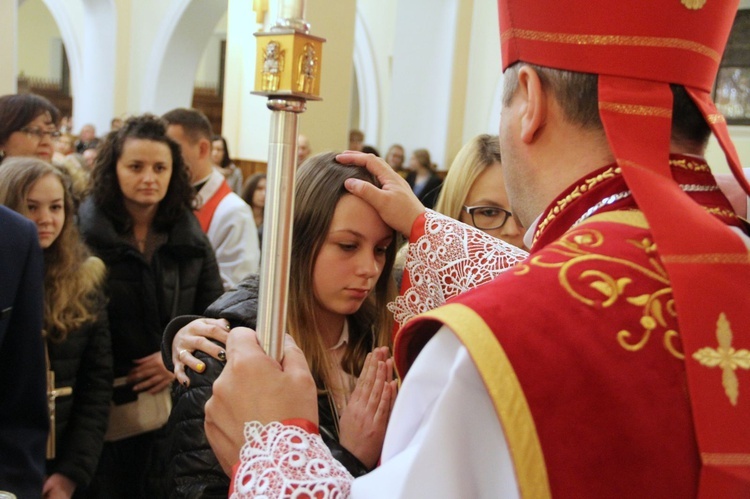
(710, 258)
(612, 40)
(577, 192)
(634, 218)
(721, 459)
(589, 183)
(658, 112)
(716, 118)
(506, 393)
(689, 164)
(720, 212)
(576, 255)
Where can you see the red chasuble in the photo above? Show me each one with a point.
(206, 212)
(579, 347)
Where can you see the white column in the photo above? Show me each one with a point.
(94, 89)
(246, 120)
(9, 43)
(422, 76)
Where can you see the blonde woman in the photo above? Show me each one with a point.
(75, 325)
(474, 191)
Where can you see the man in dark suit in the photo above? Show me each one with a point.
(23, 419)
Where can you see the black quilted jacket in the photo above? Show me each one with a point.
(193, 470)
(84, 362)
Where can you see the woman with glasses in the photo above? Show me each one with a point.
(28, 126)
(474, 191)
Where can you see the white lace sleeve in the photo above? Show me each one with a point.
(286, 461)
(449, 258)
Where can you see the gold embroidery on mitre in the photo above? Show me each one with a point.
(726, 357)
(611, 40)
(651, 111)
(694, 4)
(725, 459)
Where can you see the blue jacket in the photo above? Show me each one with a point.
(23, 383)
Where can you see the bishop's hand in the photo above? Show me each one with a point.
(255, 387)
(395, 202)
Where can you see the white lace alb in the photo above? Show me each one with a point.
(448, 259)
(286, 461)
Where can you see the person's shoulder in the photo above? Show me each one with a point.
(234, 208)
(19, 239)
(580, 258)
(94, 269)
(236, 202)
(187, 230)
(88, 213)
(238, 305)
(15, 224)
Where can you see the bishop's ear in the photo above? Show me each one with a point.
(534, 100)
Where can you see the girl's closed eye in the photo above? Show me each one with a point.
(348, 246)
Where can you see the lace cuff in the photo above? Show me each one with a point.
(286, 461)
(447, 258)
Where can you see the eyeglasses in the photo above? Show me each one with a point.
(487, 217)
(39, 133)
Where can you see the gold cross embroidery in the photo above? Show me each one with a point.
(694, 4)
(725, 357)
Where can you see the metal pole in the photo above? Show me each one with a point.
(277, 225)
(288, 73)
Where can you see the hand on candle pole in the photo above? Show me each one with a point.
(395, 202)
(254, 387)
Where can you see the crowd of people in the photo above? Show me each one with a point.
(153, 231)
(552, 325)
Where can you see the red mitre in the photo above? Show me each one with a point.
(639, 47)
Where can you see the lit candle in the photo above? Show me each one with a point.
(292, 9)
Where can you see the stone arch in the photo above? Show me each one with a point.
(88, 29)
(176, 53)
(64, 14)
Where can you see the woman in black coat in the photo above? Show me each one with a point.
(75, 324)
(193, 470)
(422, 178)
(139, 221)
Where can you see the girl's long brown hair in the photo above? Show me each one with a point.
(72, 277)
(319, 186)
